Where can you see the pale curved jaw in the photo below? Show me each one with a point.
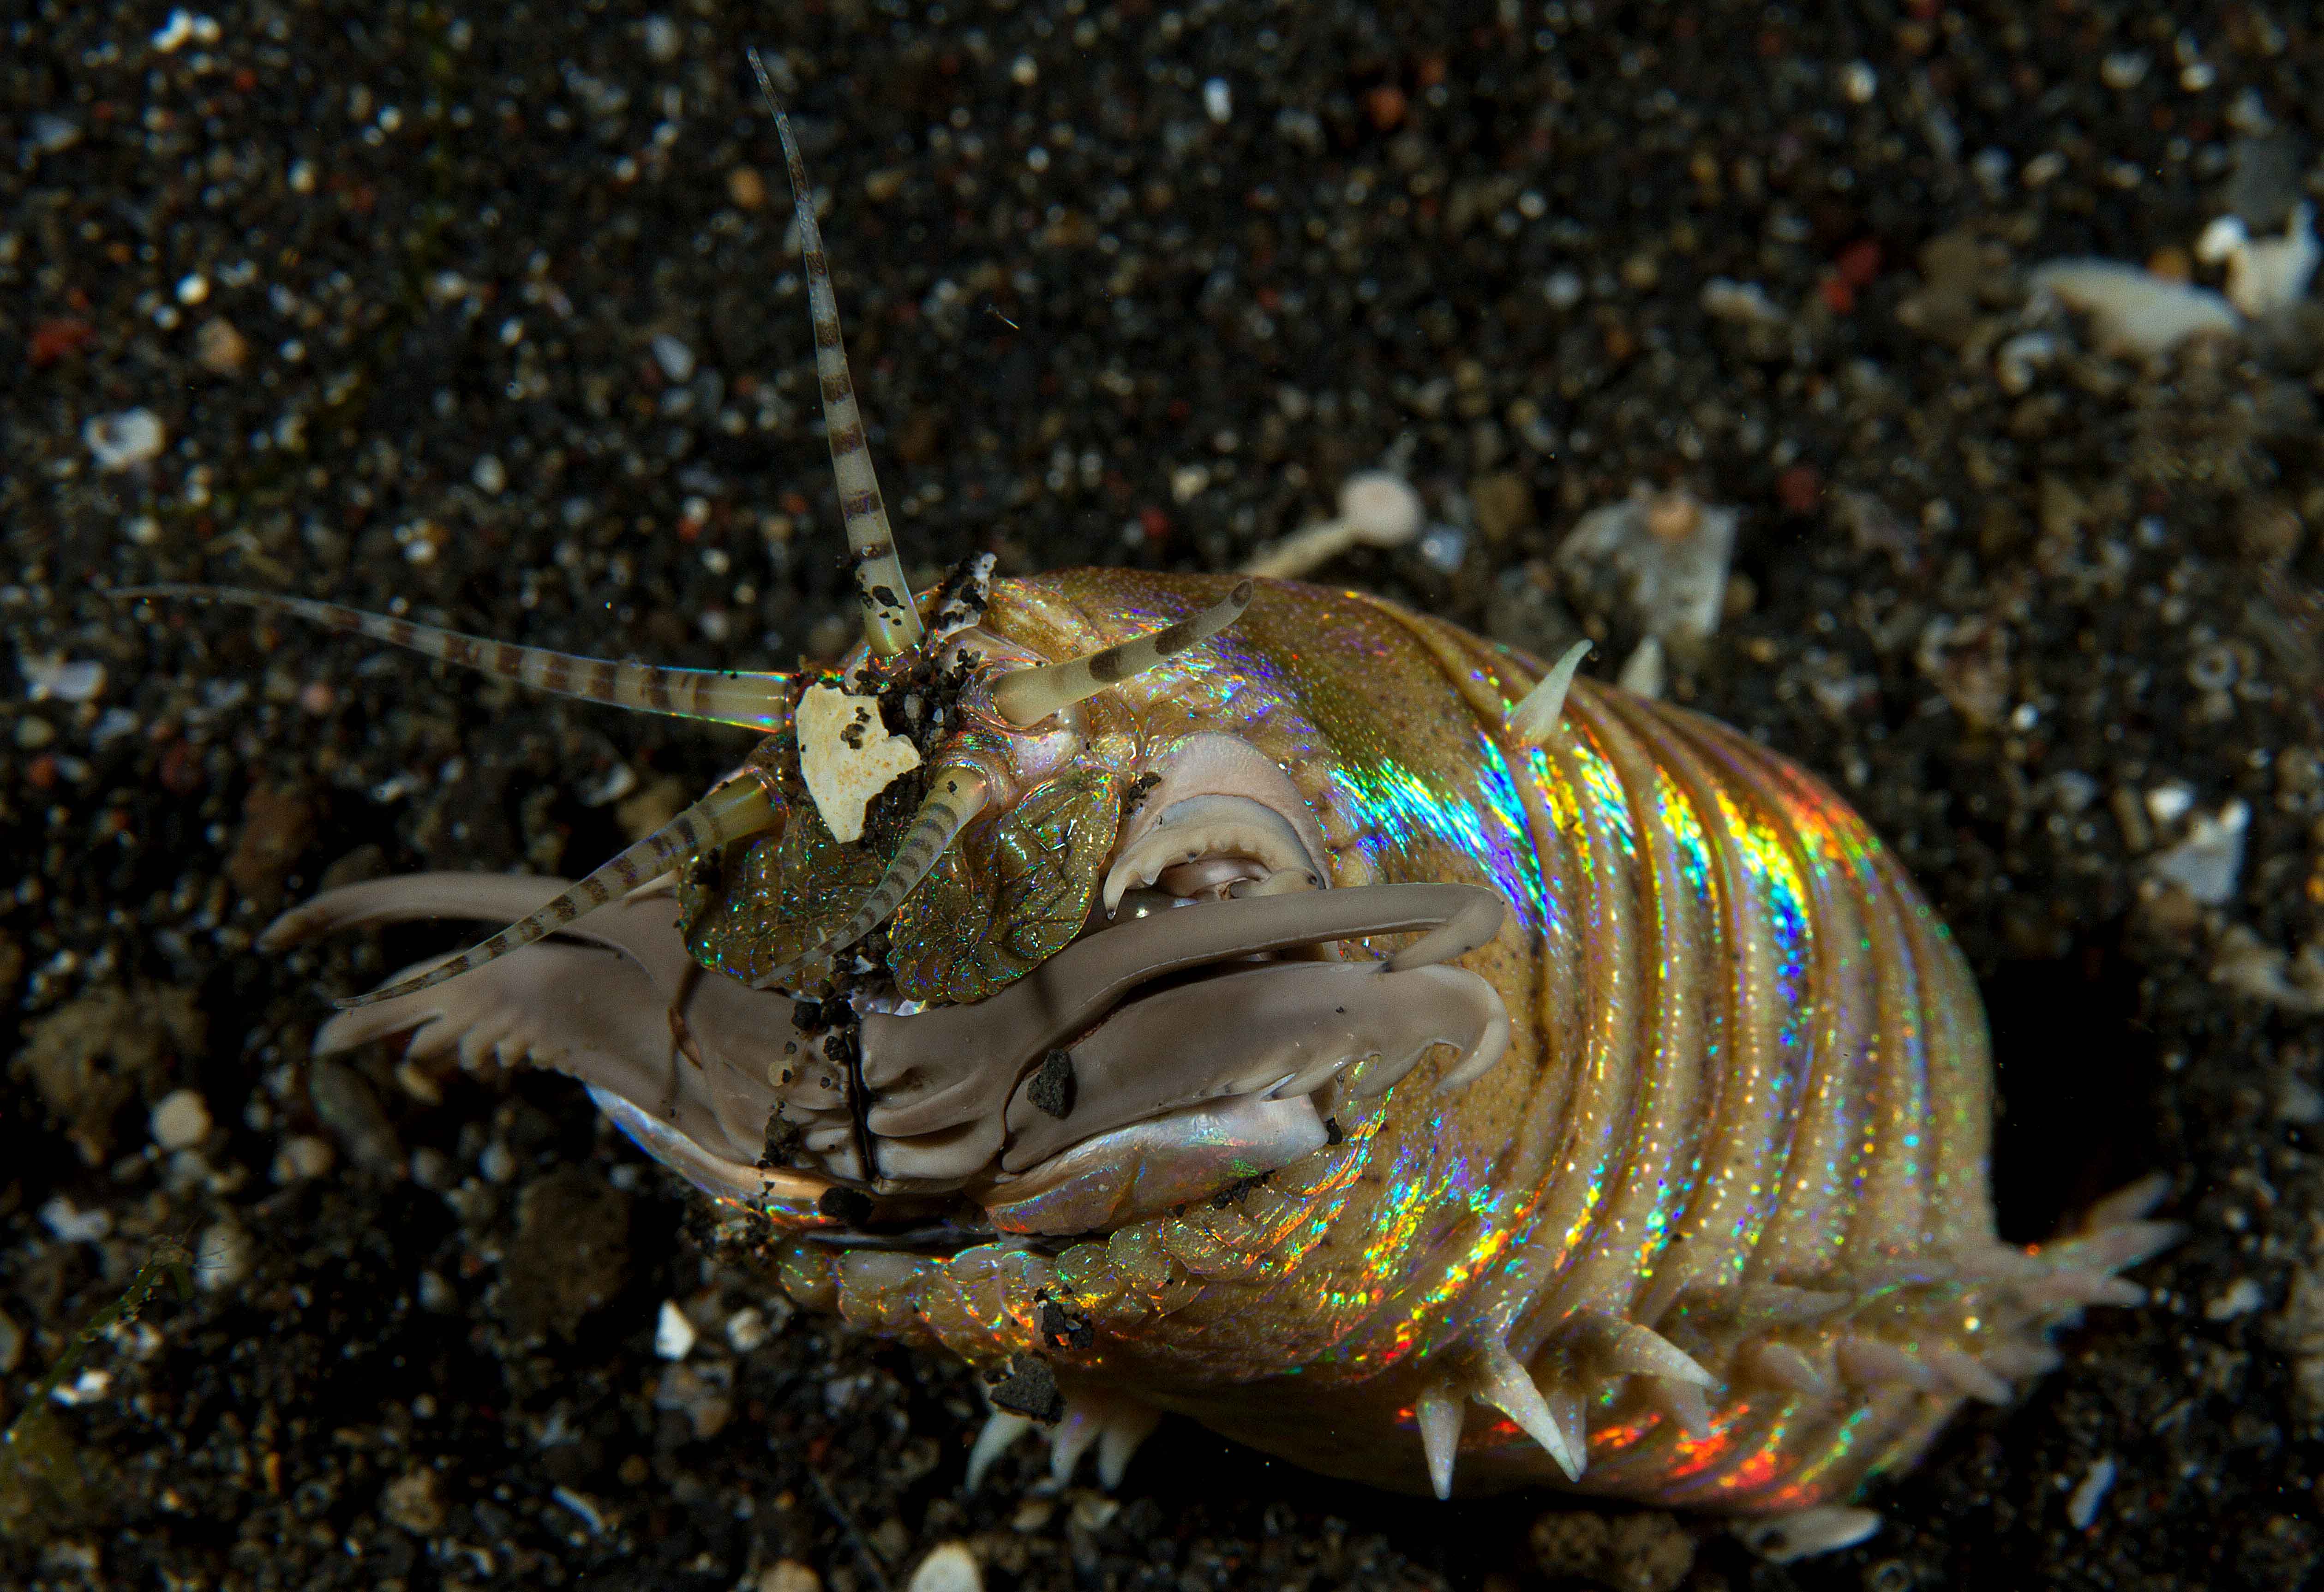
(1166, 1094)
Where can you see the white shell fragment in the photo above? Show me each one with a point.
(2264, 275)
(673, 1333)
(2134, 311)
(1826, 1529)
(847, 756)
(2209, 861)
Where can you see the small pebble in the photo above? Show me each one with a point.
(219, 348)
(788, 1575)
(674, 1334)
(746, 1329)
(179, 1120)
(949, 1567)
(301, 1159)
(675, 358)
(490, 475)
(2168, 803)
(413, 1502)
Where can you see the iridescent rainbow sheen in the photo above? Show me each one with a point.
(1748, 1080)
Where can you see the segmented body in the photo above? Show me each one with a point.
(1694, 1211)
(1749, 1069)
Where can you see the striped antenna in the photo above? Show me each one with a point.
(891, 623)
(717, 696)
(737, 808)
(956, 795)
(1030, 696)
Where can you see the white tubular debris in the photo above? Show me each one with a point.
(1377, 509)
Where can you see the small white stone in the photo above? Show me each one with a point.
(2169, 803)
(949, 1567)
(676, 359)
(674, 1334)
(490, 475)
(179, 1120)
(1218, 101)
(1859, 82)
(663, 41)
(843, 778)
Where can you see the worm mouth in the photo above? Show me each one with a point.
(1155, 1060)
(1173, 1052)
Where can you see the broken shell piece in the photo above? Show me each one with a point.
(1667, 551)
(1377, 509)
(2133, 310)
(847, 756)
(2209, 861)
